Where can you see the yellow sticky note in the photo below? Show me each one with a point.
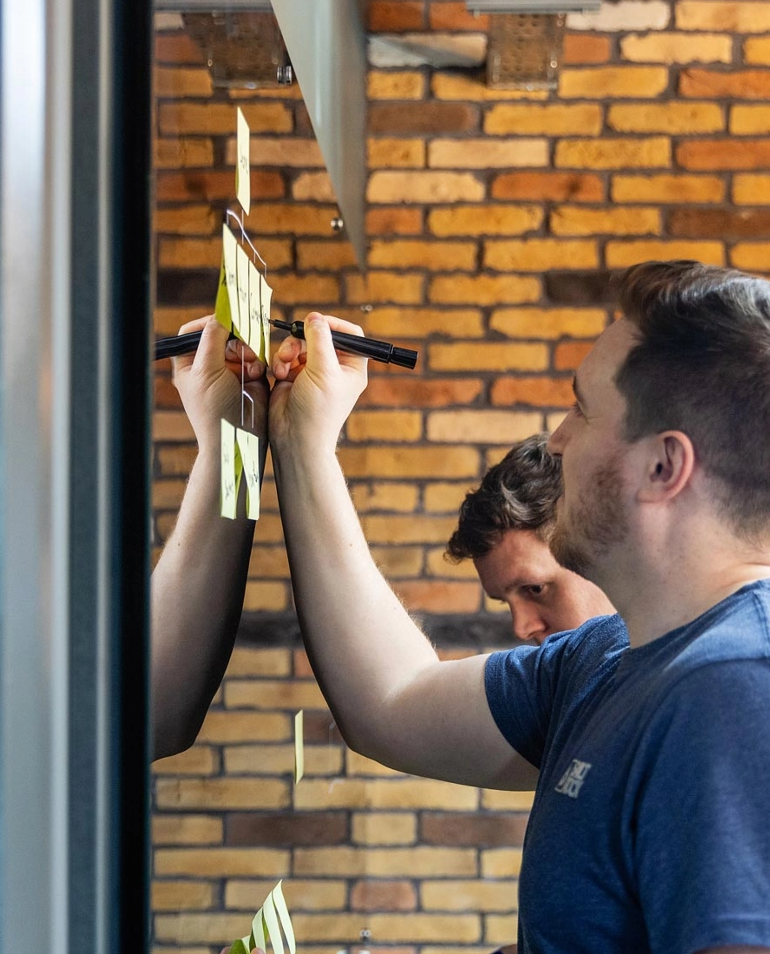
(242, 168)
(230, 263)
(283, 915)
(258, 931)
(231, 468)
(243, 329)
(257, 338)
(271, 923)
(265, 297)
(222, 304)
(248, 445)
(299, 745)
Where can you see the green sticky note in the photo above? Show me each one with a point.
(229, 261)
(222, 304)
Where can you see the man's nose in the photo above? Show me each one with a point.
(527, 623)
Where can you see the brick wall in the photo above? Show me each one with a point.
(494, 221)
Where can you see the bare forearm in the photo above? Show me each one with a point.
(197, 599)
(364, 647)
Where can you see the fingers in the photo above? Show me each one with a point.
(292, 352)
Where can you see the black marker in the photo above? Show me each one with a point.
(353, 344)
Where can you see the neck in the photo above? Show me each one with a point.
(678, 583)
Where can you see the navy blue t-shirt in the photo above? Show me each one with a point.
(650, 828)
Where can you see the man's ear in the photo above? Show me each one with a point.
(669, 464)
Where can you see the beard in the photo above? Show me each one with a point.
(597, 522)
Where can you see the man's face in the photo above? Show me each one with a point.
(592, 515)
(542, 596)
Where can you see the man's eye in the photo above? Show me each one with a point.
(575, 408)
(536, 589)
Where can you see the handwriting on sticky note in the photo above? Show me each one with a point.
(265, 297)
(230, 261)
(242, 281)
(242, 166)
(248, 445)
(230, 471)
(257, 336)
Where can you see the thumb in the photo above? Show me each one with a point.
(212, 344)
(320, 347)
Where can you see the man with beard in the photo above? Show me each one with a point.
(649, 830)
(504, 526)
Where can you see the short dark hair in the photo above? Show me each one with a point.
(519, 493)
(702, 366)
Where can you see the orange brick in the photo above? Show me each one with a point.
(315, 289)
(675, 118)
(485, 219)
(384, 862)
(583, 49)
(499, 929)
(182, 895)
(221, 862)
(220, 118)
(207, 252)
(395, 153)
(751, 189)
(756, 51)
(711, 84)
(171, 426)
(415, 528)
(383, 828)
(739, 16)
(421, 322)
(487, 153)
(537, 254)
(385, 426)
(484, 289)
(379, 495)
(261, 596)
(453, 895)
(623, 254)
(188, 220)
(398, 562)
(470, 87)
(749, 120)
(206, 185)
(388, 928)
(198, 760)
(383, 896)
(569, 355)
(177, 48)
(501, 862)
(439, 566)
(279, 760)
(425, 187)
(268, 562)
(485, 427)
(393, 391)
(271, 694)
(495, 800)
(548, 323)
(433, 256)
(611, 153)
(228, 727)
(536, 392)
(489, 356)
(667, 188)
(407, 84)
(292, 219)
(556, 186)
(173, 82)
(395, 16)
(730, 155)
(329, 255)
(751, 256)
(313, 187)
(186, 829)
(246, 661)
(396, 287)
(455, 16)
(557, 119)
(394, 221)
(301, 895)
(221, 793)
(280, 151)
(616, 220)
(409, 462)
(613, 82)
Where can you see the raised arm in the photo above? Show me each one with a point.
(393, 699)
(199, 581)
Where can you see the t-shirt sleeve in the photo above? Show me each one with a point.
(702, 812)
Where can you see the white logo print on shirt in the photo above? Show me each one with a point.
(572, 780)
